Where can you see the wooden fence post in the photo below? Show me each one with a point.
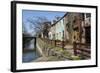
(55, 42)
(75, 48)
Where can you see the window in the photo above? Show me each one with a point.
(83, 16)
(88, 15)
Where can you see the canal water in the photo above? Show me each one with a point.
(31, 55)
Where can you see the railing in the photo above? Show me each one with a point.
(55, 43)
(82, 49)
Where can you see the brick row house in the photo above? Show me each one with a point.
(69, 27)
(74, 29)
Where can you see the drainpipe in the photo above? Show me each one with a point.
(63, 41)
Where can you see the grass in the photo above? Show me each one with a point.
(75, 58)
(53, 58)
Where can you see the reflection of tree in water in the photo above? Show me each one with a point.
(29, 49)
(26, 40)
(29, 43)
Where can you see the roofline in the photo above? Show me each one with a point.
(59, 19)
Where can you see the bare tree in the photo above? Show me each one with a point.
(24, 30)
(38, 24)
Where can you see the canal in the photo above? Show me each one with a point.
(30, 54)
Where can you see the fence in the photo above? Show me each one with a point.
(82, 49)
(56, 43)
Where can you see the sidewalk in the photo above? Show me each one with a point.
(69, 48)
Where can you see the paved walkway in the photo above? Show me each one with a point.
(69, 48)
(46, 59)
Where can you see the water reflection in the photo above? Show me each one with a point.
(30, 53)
(30, 56)
(30, 45)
